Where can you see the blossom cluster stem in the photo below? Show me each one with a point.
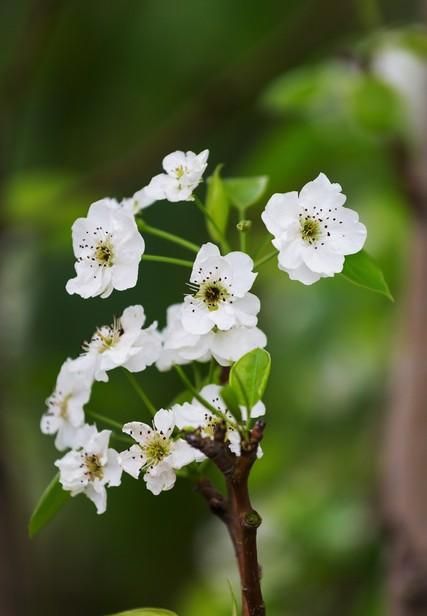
(169, 260)
(236, 510)
(225, 246)
(266, 258)
(141, 393)
(188, 384)
(110, 423)
(165, 235)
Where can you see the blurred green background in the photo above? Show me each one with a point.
(93, 95)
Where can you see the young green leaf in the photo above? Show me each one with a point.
(249, 376)
(244, 192)
(231, 400)
(146, 611)
(51, 501)
(361, 270)
(217, 206)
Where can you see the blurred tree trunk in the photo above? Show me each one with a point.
(405, 470)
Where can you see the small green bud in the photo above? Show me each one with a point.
(252, 519)
(244, 225)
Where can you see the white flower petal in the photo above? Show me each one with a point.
(99, 498)
(132, 460)
(160, 478)
(137, 430)
(164, 421)
(182, 454)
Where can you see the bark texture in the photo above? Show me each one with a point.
(235, 510)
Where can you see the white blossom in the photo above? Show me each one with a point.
(313, 231)
(65, 414)
(139, 201)
(124, 343)
(226, 347)
(156, 452)
(229, 346)
(194, 415)
(183, 173)
(178, 345)
(220, 287)
(91, 467)
(108, 248)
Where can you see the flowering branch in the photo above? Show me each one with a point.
(219, 422)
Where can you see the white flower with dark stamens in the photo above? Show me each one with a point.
(157, 453)
(220, 288)
(195, 415)
(124, 343)
(91, 467)
(108, 249)
(184, 171)
(65, 414)
(313, 231)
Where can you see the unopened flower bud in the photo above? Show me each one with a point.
(244, 225)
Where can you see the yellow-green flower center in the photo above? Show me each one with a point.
(179, 172)
(310, 230)
(156, 448)
(212, 294)
(105, 337)
(104, 253)
(94, 467)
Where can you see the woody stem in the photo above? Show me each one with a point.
(236, 510)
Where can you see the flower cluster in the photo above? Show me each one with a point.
(224, 346)
(90, 465)
(194, 415)
(159, 453)
(217, 320)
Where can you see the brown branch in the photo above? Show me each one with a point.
(236, 511)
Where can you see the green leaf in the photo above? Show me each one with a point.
(51, 501)
(244, 192)
(217, 206)
(146, 611)
(231, 400)
(249, 376)
(361, 270)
